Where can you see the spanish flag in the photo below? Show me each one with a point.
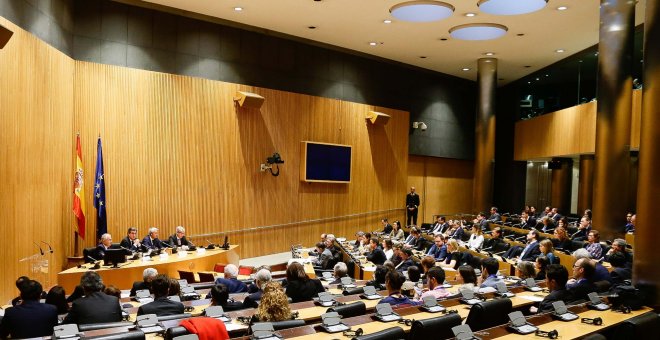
(79, 191)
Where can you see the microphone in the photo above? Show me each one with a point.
(50, 248)
(40, 249)
(210, 243)
(96, 262)
(577, 232)
(167, 244)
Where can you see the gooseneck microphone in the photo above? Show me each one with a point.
(50, 248)
(41, 251)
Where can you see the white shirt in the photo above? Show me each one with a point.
(475, 241)
(389, 253)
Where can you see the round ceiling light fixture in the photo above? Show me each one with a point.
(422, 11)
(511, 7)
(478, 31)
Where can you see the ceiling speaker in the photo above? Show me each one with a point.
(5, 34)
(249, 100)
(377, 118)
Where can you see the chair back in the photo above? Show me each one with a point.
(435, 328)
(130, 335)
(350, 310)
(489, 314)
(87, 253)
(189, 276)
(174, 332)
(386, 334)
(219, 267)
(245, 270)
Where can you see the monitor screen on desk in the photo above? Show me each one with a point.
(114, 256)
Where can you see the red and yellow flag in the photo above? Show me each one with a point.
(79, 191)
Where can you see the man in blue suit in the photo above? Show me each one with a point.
(231, 281)
(439, 249)
(151, 241)
(30, 318)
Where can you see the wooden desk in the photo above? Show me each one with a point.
(363, 270)
(129, 272)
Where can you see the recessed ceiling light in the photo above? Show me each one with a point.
(311, 27)
(484, 31)
(562, 8)
(443, 39)
(510, 7)
(520, 34)
(537, 79)
(422, 57)
(387, 21)
(422, 11)
(489, 54)
(465, 69)
(470, 14)
(238, 9)
(560, 51)
(373, 43)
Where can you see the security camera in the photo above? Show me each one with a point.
(423, 126)
(275, 159)
(419, 125)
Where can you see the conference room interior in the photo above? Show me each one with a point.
(159, 86)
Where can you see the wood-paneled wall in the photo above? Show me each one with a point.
(444, 186)
(178, 152)
(36, 153)
(571, 131)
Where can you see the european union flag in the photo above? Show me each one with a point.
(99, 194)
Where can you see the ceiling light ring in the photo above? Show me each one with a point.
(404, 11)
(511, 7)
(485, 24)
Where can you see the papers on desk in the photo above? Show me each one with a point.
(152, 329)
(233, 326)
(301, 261)
(531, 297)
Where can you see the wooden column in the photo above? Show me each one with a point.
(560, 190)
(645, 266)
(613, 119)
(484, 156)
(585, 183)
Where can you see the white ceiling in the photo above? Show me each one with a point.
(352, 24)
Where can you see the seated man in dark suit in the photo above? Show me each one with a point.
(95, 306)
(526, 221)
(555, 277)
(179, 238)
(340, 270)
(620, 272)
(439, 249)
(376, 255)
(620, 245)
(581, 285)
(30, 318)
(161, 305)
(231, 280)
(494, 215)
(494, 242)
(22, 280)
(151, 241)
(262, 277)
(131, 241)
(531, 250)
(147, 276)
(106, 243)
(387, 227)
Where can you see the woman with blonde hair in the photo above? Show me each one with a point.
(274, 305)
(547, 250)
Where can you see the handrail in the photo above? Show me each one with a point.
(295, 223)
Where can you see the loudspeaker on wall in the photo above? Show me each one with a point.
(377, 118)
(5, 34)
(249, 100)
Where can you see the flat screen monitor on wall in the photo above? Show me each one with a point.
(323, 162)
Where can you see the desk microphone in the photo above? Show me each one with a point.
(167, 244)
(50, 248)
(95, 261)
(211, 245)
(40, 249)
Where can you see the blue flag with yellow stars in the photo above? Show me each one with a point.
(99, 194)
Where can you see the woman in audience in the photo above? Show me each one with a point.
(387, 248)
(593, 245)
(427, 263)
(397, 233)
(393, 281)
(467, 278)
(525, 270)
(112, 291)
(541, 265)
(456, 257)
(57, 297)
(175, 287)
(561, 239)
(274, 305)
(548, 224)
(220, 297)
(379, 278)
(547, 250)
(299, 286)
(476, 239)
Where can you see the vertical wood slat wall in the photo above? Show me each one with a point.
(36, 148)
(178, 152)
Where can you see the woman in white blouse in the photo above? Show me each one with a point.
(476, 239)
(397, 233)
(387, 248)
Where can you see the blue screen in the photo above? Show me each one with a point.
(328, 162)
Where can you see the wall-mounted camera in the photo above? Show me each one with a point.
(419, 125)
(274, 159)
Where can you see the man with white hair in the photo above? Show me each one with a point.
(262, 277)
(340, 270)
(600, 272)
(147, 276)
(231, 281)
(151, 241)
(106, 243)
(179, 238)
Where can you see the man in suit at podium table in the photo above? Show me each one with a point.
(412, 203)
(131, 241)
(179, 238)
(151, 241)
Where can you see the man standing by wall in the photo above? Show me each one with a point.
(412, 204)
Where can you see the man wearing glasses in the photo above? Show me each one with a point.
(179, 238)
